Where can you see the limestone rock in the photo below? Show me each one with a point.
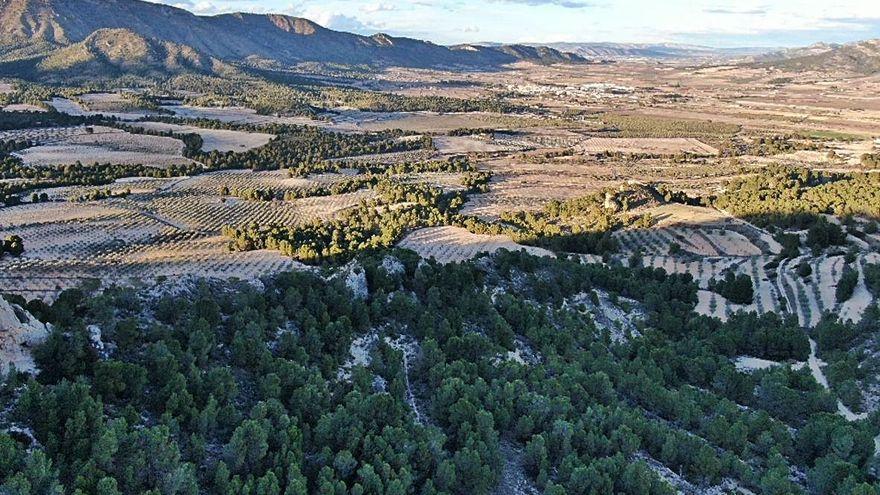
(19, 333)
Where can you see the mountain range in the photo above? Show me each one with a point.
(84, 36)
(653, 51)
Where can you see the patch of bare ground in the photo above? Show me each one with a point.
(455, 244)
(514, 479)
(519, 185)
(455, 145)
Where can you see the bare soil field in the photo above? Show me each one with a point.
(277, 180)
(453, 244)
(214, 139)
(456, 145)
(349, 120)
(45, 135)
(6, 88)
(446, 181)
(653, 146)
(134, 185)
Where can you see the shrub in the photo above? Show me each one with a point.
(847, 285)
(738, 289)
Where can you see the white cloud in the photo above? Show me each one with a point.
(377, 7)
(334, 19)
(713, 22)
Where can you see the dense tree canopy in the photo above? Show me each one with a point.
(238, 390)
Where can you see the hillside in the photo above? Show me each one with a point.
(31, 28)
(111, 51)
(862, 57)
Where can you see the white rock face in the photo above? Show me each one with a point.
(392, 265)
(19, 332)
(359, 354)
(95, 338)
(618, 321)
(356, 280)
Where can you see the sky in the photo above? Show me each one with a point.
(718, 23)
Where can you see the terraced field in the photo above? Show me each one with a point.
(718, 244)
(164, 228)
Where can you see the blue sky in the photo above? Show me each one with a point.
(724, 23)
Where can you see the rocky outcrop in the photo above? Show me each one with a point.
(356, 280)
(19, 333)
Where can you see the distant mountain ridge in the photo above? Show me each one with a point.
(57, 29)
(862, 57)
(653, 51)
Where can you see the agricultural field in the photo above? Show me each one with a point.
(710, 244)
(88, 145)
(600, 129)
(23, 107)
(436, 122)
(455, 244)
(163, 228)
(235, 115)
(650, 146)
(222, 140)
(457, 145)
(106, 102)
(71, 107)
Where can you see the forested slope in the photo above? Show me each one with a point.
(233, 389)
